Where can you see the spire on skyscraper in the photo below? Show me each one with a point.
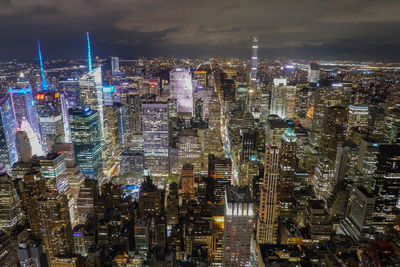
(254, 59)
(89, 53)
(44, 83)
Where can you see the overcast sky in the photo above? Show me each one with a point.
(311, 29)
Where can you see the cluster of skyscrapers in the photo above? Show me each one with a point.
(199, 162)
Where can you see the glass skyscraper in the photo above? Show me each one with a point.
(8, 147)
(85, 133)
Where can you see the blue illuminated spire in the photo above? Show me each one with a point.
(44, 83)
(89, 53)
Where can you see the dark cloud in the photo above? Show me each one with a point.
(360, 29)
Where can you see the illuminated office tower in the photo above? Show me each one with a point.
(214, 119)
(313, 73)
(254, 58)
(367, 160)
(220, 170)
(392, 126)
(204, 95)
(189, 151)
(287, 168)
(23, 107)
(51, 123)
(213, 133)
(114, 64)
(358, 118)
(333, 128)
(155, 137)
(291, 102)
(85, 132)
(182, 89)
(386, 186)
(134, 118)
(111, 113)
(55, 225)
(70, 89)
(238, 223)
(53, 168)
(109, 95)
(23, 146)
(74, 177)
(122, 125)
(34, 187)
(187, 179)
(201, 77)
(277, 97)
(87, 199)
(322, 178)
(267, 226)
(10, 205)
(111, 144)
(8, 148)
(91, 89)
(275, 129)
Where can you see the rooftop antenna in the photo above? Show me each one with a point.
(89, 53)
(44, 83)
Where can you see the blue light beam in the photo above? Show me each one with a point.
(89, 53)
(44, 83)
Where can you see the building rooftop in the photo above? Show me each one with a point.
(237, 194)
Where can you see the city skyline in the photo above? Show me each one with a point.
(121, 160)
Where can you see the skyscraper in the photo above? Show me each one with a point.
(86, 139)
(33, 188)
(55, 224)
(182, 89)
(8, 148)
(287, 168)
(334, 126)
(51, 122)
(277, 106)
(114, 64)
(53, 168)
(91, 88)
(313, 73)
(359, 214)
(155, 137)
(267, 226)
(23, 146)
(358, 118)
(10, 205)
(187, 178)
(254, 58)
(23, 107)
(237, 226)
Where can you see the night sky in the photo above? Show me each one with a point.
(313, 29)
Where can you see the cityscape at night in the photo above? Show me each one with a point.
(234, 133)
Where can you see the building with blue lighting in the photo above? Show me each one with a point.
(8, 147)
(24, 107)
(86, 139)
